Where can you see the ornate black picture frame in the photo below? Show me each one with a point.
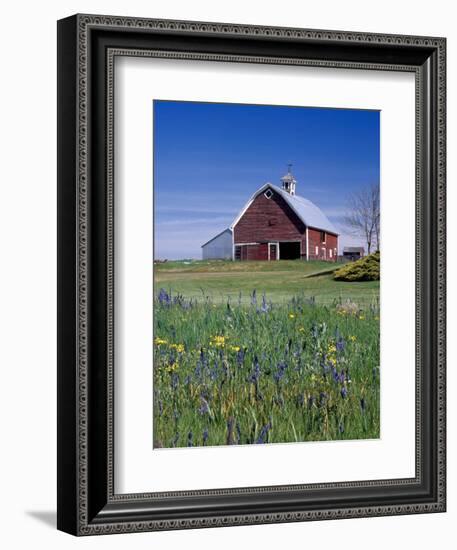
(87, 46)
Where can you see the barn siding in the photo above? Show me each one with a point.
(269, 220)
(331, 243)
(219, 248)
(254, 251)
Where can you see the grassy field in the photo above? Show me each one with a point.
(260, 352)
(221, 280)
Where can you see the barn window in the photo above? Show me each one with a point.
(268, 193)
(331, 253)
(237, 252)
(323, 237)
(317, 251)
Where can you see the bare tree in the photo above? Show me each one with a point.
(364, 216)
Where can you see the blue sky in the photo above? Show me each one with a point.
(210, 157)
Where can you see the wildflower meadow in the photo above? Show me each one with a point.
(249, 370)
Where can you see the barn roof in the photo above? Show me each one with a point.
(310, 214)
(354, 249)
(229, 229)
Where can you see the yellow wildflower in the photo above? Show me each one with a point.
(218, 341)
(291, 316)
(352, 338)
(178, 347)
(301, 329)
(159, 341)
(235, 348)
(361, 317)
(172, 367)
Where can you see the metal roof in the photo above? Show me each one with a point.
(353, 249)
(310, 214)
(229, 229)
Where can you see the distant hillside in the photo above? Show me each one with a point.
(365, 269)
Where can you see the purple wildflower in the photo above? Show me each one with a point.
(255, 374)
(164, 298)
(344, 392)
(264, 307)
(281, 369)
(214, 371)
(205, 436)
(264, 433)
(340, 343)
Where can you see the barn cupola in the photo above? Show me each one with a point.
(288, 181)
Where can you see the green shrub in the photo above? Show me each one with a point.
(365, 269)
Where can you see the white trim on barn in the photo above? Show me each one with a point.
(276, 244)
(307, 243)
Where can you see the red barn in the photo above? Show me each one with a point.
(277, 224)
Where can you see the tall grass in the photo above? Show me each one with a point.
(264, 373)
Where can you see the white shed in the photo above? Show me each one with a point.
(219, 247)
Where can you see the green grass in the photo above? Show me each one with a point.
(296, 361)
(227, 266)
(223, 280)
(259, 373)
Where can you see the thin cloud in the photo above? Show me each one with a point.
(182, 222)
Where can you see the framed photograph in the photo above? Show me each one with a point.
(251, 274)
